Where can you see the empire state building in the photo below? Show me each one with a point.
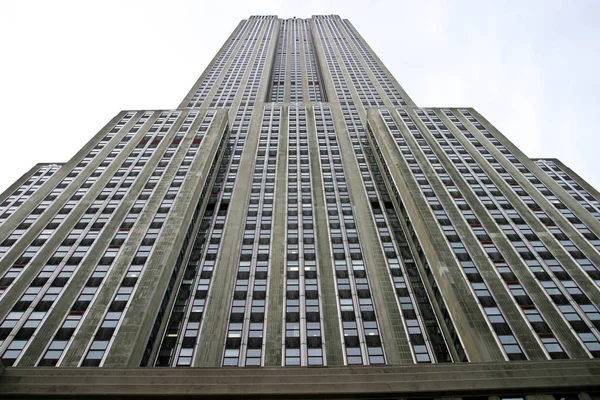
(298, 209)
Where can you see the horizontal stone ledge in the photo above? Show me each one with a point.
(311, 371)
(418, 387)
(542, 376)
(265, 376)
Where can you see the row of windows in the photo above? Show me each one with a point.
(545, 257)
(432, 325)
(522, 299)
(178, 346)
(526, 243)
(98, 347)
(26, 190)
(415, 325)
(413, 311)
(67, 258)
(22, 262)
(244, 344)
(296, 86)
(105, 265)
(279, 69)
(421, 348)
(228, 89)
(314, 87)
(215, 71)
(303, 333)
(478, 287)
(362, 341)
(24, 226)
(563, 284)
(382, 78)
(94, 219)
(180, 338)
(369, 96)
(539, 186)
(581, 195)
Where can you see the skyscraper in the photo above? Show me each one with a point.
(298, 209)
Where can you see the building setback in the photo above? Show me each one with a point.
(298, 209)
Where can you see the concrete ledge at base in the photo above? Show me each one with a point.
(374, 382)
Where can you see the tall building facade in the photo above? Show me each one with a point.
(298, 209)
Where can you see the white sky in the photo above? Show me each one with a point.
(530, 67)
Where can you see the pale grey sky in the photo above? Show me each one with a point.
(531, 67)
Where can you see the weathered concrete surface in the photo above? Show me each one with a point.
(329, 382)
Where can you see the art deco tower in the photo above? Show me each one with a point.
(298, 209)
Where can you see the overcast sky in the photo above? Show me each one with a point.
(67, 67)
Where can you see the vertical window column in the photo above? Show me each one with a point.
(244, 344)
(303, 343)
